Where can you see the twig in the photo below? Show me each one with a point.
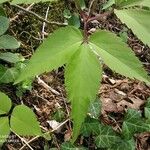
(23, 140)
(60, 125)
(90, 7)
(44, 24)
(27, 143)
(39, 17)
(36, 137)
(21, 12)
(101, 16)
(45, 85)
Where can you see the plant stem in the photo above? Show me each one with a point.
(100, 16)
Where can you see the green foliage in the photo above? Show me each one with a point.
(6, 41)
(124, 145)
(69, 146)
(117, 55)
(78, 77)
(11, 57)
(83, 72)
(95, 109)
(129, 3)
(8, 75)
(133, 123)
(4, 129)
(147, 109)
(5, 104)
(138, 21)
(108, 4)
(90, 126)
(106, 137)
(22, 122)
(58, 115)
(4, 24)
(61, 45)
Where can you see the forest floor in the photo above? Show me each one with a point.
(116, 93)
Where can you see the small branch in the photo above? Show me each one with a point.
(21, 12)
(33, 139)
(39, 17)
(24, 141)
(46, 86)
(60, 125)
(90, 7)
(100, 16)
(44, 24)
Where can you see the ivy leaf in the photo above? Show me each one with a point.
(106, 137)
(4, 24)
(4, 129)
(5, 104)
(124, 145)
(117, 55)
(138, 21)
(8, 42)
(69, 146)
(55, 51)
(90, 126)
(133, 123)
(24, 122)
(95, 109)
(147, 109)
(82, 76)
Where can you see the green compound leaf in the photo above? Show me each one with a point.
(124, 145)
(117, 55)
(5, 104)
(133, 123)
(90, 126)
(82, 77)
(138, 21)
(129, 3)
(4, 129)
(147, 109)
(55, 51)
(4, 24)
(8, 42)
(106, 137)
(23, 121)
